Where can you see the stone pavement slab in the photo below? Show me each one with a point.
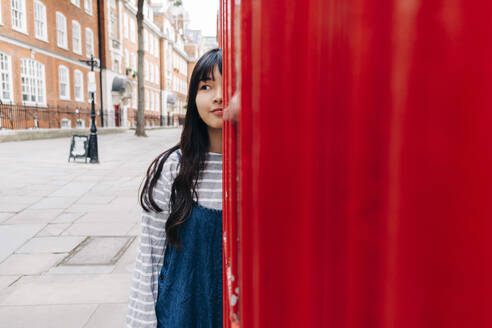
(29, 264)
(44, 198)
(108, 316)
(99, 229)
(53, 229)
(4, 216)
(46, 316)
(54, 202)
(68, 289)
(35, 216)
(6, 281)
(13, 236)
(81, 269)
(68, 217)
(58, 244)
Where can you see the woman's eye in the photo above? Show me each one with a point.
(205, 87)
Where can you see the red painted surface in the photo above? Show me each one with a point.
(364, 162)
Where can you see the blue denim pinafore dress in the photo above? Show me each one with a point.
(190, 282)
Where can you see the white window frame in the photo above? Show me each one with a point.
(146, 71)
(134, 61)
(76, 42)
(61, 31)
(151, 105)
(88, 7)
(19, 21)
(78, 82)
(146, 99)
(125, 25)
(89, 42)
(146, 41)
(65, 123)
(40, 22)
(132, 30)
(64, 77)
(75, 3)
(33, 82)
(6, 78)
(127, 59)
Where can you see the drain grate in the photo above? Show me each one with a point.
(100, 250)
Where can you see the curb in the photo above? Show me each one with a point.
(23, 135)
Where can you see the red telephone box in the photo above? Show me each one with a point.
(358, 174)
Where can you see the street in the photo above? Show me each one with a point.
(69, 231)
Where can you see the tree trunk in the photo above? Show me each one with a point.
(140, 131)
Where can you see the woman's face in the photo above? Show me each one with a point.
(209, 100)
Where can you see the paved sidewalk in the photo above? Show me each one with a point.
(68, 231)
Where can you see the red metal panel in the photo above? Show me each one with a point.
(365, 163)
(231, 209)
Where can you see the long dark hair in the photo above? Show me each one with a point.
(194, 145)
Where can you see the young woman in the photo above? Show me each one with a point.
(177, 281)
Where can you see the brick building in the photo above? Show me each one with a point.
(120, 63)
(42, 77)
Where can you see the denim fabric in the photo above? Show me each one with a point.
(190, 282)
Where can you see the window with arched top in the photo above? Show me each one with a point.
(64, 82)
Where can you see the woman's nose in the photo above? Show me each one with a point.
(218, 95)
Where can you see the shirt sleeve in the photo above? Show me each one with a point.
(150, 255)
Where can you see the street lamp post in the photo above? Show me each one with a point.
(93, 152)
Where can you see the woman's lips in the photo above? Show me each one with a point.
(217, 112)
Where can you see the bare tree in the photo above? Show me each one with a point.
(140, 131)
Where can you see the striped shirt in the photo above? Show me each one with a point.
(150, 254)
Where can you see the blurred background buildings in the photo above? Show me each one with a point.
(44, 81)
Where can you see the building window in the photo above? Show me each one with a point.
(125, 25)
(78, 85)
(151, 72)
(89, 42)
(76, 38)
(116, 66)
(75, 2)
(19, 15)
(132, 30)
(127, 59)
(151, 105)
(64, 81)
(112, 27)
(134, 62)
(146, 41)
(61, 30)
(33, 82)
(40, 27)
(88, 6)
(5, 78)
(146, 99)
(66, 123)
(80, 123)
(146, 71)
